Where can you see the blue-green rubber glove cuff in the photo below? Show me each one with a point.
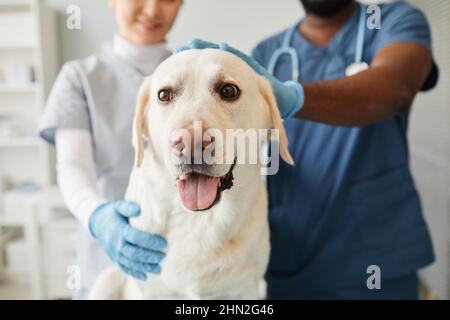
(299, 101)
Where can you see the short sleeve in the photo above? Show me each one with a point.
(66, 105)
(401, 22)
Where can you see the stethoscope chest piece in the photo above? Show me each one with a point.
(355, 68)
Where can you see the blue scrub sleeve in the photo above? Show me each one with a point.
(401, 22)
(66, 106)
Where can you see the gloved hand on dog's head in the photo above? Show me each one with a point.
(290, 95)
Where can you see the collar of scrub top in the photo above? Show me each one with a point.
(358, 66)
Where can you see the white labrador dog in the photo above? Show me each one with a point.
(214, 216)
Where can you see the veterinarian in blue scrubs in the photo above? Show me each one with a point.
(349, 208)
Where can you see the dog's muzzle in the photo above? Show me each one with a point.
(199, 191)
(199, 184)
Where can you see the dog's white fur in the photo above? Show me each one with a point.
(221, 253)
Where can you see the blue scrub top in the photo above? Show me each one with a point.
(350, 201)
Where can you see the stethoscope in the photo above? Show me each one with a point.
(356, 67)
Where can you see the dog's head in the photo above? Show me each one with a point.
(186, 110)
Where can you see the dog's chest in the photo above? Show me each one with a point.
(200, 264)
(202, 259)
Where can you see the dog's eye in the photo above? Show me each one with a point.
(229, 92)
(165, 95)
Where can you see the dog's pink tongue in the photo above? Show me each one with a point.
(197, 191)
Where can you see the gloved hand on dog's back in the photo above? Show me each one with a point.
(134, 251)
(289, 94)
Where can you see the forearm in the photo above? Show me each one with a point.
(360, 100)
(396, 74)
(76, 173)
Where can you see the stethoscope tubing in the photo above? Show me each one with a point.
(287, 49)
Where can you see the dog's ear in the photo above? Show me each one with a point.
(275, 118)
(140, 127)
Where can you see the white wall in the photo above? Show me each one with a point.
(97, 26)
(240, 23)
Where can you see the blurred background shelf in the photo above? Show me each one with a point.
(7, 234)
(29, 199)
(24, 142)
(15, 3)
(30, 88)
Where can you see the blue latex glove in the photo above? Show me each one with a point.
(290, 96)
(132, 250)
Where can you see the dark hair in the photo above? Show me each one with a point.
(324, 7)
